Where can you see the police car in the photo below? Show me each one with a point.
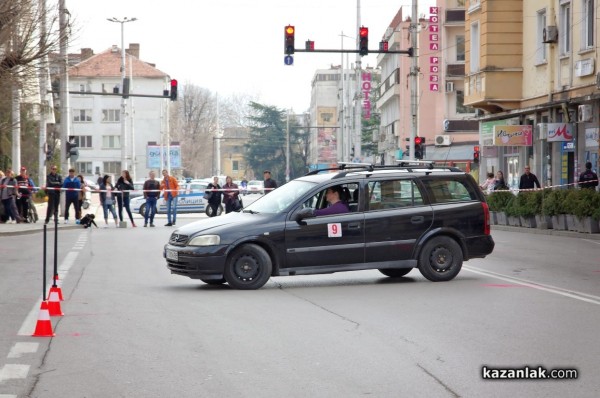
(189, 200)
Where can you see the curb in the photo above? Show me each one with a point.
(539, 231)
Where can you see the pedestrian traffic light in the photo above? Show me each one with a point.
(383, 46)
(419, 147)
(310, 45)
(363, 34)
(173, 90)
(289, 34)
(72, 151)
(476, 154)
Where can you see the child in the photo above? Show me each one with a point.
(88, 220)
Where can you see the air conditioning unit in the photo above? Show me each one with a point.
(550, 34)
(584, 113)
(442, 140)
(449, 87)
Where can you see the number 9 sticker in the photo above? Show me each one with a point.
(334, 230)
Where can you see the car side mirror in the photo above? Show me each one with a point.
(304, 213)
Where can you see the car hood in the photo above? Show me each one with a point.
(238, 221)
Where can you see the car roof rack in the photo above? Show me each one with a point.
(402, 164)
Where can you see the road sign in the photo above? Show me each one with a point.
(288, 60)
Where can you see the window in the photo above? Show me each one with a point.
(460, 103)
(326, 116)
(112, 168)
(565, 28)
(393, 194)
(540, 51)
(460, 48)
(84, 168)
(111, 142)
(474, 48)
(83, 141)
(587, 25)
(82, 115)
(444, 191)
(111, 115)
(235, 165)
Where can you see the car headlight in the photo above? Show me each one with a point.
(205, 240)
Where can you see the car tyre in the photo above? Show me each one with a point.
(441, 259)
(395, 272)
(209, 210)
(248, 267)
(143, 210)
(214, 281)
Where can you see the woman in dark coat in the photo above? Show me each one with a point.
(215, 196)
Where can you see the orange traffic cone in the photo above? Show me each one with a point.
(43, 328)
(54, 304)
(58, 290)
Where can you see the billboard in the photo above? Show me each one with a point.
(153, 153)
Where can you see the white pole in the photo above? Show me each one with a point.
(218, 138)
(287, 148)
(43, 103)
(414, 81)
(358, 94)
(341, 145)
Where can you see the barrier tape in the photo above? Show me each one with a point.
(92, 190)
(542, 188)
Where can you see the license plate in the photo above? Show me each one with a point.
(172, 255)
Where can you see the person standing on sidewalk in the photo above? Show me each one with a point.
(124, 184)
(588, 179)
(8, 194)
(72, 185)
(107, 198)
(528, 180)
(269, 183)
(170, 187)
(25, 189)
(53, 184)
(151, 193)
(230, 195)
(214, 201)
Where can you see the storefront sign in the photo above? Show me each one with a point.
(520, 135)
(557, 132)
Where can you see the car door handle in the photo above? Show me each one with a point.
(417, 219)
(355, 225)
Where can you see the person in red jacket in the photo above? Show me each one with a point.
(170, 188)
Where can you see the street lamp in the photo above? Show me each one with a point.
(124, 163)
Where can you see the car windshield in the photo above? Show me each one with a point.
(281, 198)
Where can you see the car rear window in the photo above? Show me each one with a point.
(449, 190)
(389, 194)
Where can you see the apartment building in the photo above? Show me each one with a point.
(96, 118)
(531, 71)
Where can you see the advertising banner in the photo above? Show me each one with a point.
(153, 155)
(520, 135)
(557, 132)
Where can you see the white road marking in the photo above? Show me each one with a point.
(7, 396)
(11, 371)
(19, 349)
(588, 298)
(592, 241)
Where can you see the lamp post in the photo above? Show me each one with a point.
(124, 163)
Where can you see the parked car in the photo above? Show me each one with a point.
(256, 186)
(190, 200)
(412, 215)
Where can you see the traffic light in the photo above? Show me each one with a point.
(363, 34)
(72, 151)
(383, 46)
(173, 90)
(419, 141)
(310, 45)
(410, 52)
(126, 87)
(476, 154)
(289, 33)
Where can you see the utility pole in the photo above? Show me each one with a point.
(414, 78)
(287, 148)
(65, 115)
(124, 87)
(356, 133)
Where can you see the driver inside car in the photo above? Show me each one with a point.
(336, 204)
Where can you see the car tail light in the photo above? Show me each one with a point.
(486, 218)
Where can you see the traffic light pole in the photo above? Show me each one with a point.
(414, 81)
(407, 52)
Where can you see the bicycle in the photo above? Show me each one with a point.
(32, 216)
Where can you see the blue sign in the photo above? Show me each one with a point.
(288, 60)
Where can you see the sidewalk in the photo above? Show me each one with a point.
(32, 228)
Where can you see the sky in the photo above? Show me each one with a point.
(235, 47)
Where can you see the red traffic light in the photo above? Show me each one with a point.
(173, 90)
(363, 32)
(476, 148)
(418, 140)
(310, 45)
(289, 37)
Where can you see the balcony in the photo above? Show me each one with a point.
(455, 17)
(455, 70)
(494, 90)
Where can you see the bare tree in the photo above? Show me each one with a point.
(236, 110)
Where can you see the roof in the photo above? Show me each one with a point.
(108, 64)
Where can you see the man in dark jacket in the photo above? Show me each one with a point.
(588, 179)
(528, 180)
(25, 185)
(73, 185)
(53, 184)
(269, 183)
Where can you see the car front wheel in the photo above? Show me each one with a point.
(441, 259)
(248, 267)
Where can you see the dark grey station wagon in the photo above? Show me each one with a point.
(411, 215)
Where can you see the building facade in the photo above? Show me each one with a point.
(96, 118)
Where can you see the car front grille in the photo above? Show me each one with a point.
(178, 239)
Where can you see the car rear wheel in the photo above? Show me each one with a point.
(143, 210)
(441, 259)
(248, 267)
(395, 272)
(208, 210)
